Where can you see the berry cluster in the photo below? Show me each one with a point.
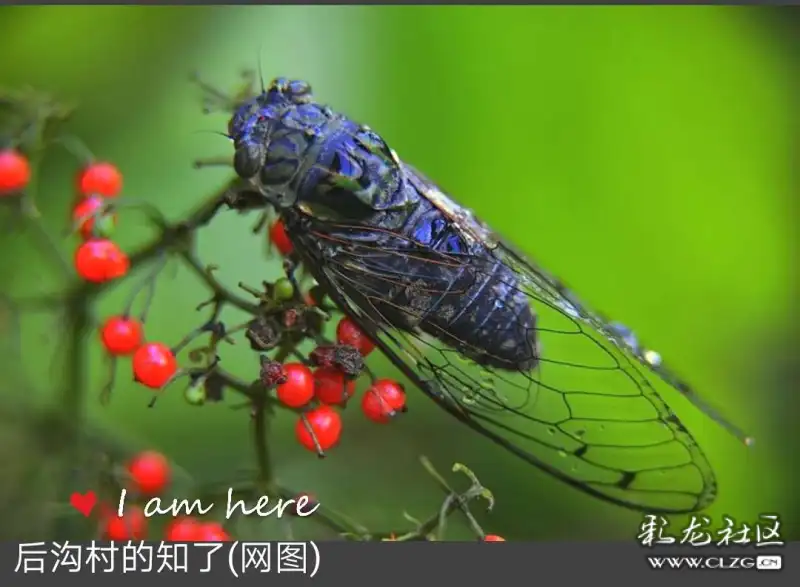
(98, 258)
(149, 475)
(317, 388)
(330, 385)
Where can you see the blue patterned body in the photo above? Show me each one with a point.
(354, 209)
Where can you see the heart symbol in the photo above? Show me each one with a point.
(83, 502)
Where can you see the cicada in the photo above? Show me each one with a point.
(482, 330)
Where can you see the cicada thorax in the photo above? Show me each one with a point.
(408, 264)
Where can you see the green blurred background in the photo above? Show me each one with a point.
(643, 154)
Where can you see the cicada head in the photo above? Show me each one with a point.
(253, 115)
(271, 132)
(250, 128)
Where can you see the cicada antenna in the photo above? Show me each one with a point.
(260, 67)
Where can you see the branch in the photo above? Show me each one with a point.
(268, 310)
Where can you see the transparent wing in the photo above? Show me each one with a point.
(586, 414)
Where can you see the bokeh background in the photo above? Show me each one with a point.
(643, 154)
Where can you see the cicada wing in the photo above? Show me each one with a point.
(586, 414)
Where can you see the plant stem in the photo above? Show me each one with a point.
(261, 427)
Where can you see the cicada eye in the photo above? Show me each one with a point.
(279, 84)
(248, 160)
(299, 88)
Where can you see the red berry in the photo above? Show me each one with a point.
(154, 364)
(348, 333)
(322, 423)
(99, 260)
(183, 530)
(131, 526)
(15, 171)
(279, 238)
(298, 389)
(85, 210)
(102, 179)
(331, 386)
(121, 335)
(493, 538)
(212, 532)
(382, 400)
(149, 473)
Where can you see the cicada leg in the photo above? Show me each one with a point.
(242, 198)
(221, 161)
(290, 267)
